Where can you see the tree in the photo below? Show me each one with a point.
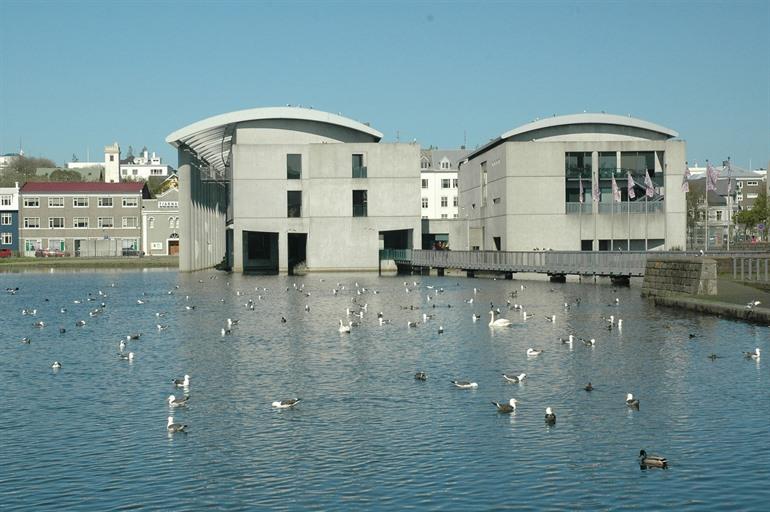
(758, 214)
(26, 166)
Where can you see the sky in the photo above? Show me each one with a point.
(78, 75)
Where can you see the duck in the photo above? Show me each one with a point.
(126, 357)
(532, 352)
(508, 408)
(589, 387)
(632, 402)
(56, 365)
(752, 355)
(80, 323)
(286, 404)
(182, 383)
(551, 318)
(713, 357)
(550, 417)
(174, 401)
(654, 461)
(420, 376)
(500, 322)
(515, 378)
(343, 329)
(464, 384)
(175, 427)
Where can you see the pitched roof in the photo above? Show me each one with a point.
(66, 187)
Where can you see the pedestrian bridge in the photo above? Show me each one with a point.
(554, 263)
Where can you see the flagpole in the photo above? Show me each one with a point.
(706, 238)
(628, 211)
(580, 212)
(729, 201)
(645, 222)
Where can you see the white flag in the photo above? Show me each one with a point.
(712, 175)
(649, 187)
(631, 185)
(686, 179)
(615, 190)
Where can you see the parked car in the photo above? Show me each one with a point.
(49, 253)
(132, 252)
(5, 253)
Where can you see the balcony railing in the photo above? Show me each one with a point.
(359, 171)
(575, 208)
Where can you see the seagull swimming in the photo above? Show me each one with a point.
(56, 365)
(515, 378)
(533, 352)
(550, 417)
(752, 355)
(174, 401)
(464, 384)
(286, 404)
(508, 408)
(343, 329)
(632, 402)
(182, 383)
(126, 357)
(175, 427)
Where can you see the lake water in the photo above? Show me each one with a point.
(367, 435)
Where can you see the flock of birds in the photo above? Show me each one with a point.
(355, 314)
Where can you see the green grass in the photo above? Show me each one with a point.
(82, 262)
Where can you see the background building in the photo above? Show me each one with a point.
(271, 188)
(160, 223)
(81, 218)
(531, 188)
(143, 167)
(9, 218)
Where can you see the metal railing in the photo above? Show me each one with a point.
(748, 268)
(399, 255)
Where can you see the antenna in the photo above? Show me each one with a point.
(398, 136)
(465, 138)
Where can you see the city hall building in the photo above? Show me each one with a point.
(549, 185)
(273, 189)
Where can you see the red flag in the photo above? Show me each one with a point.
(631, 185)
(649, 187)
(615, 190)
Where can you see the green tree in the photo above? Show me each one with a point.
(757, 214)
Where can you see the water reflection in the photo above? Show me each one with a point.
(367, 433)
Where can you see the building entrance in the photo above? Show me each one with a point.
(260, 252)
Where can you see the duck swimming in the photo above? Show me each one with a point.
(653, 461)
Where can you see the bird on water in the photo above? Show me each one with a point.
(652, 461)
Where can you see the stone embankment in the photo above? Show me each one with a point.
(691, 283)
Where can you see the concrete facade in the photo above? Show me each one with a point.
(263, 159)
(82, 219)
(9, 218)
(515, 191)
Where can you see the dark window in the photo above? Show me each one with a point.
(445, 183)
(359, 203)
(294, 203)
(359, 169)
(293, 166)
(577, 167)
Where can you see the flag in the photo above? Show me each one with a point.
(597, 195)
(686, 179)
(581, 191)
(649, 187)
(615, 190)
(729, 178)
(712, 175)
(631, 185)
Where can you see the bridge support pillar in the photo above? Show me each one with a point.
(621, 280)
(558, 278)
(509, 276)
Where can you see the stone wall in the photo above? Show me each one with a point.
(672, 275)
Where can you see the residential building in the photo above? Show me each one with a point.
(8, 158)
(160, 223)
(81, 218)
(531, 188)
(275, 189)
(112, 163)
(143, 167)
(439, 182)
(9, 218)
(745, 183)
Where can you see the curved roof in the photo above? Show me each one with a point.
(211, 138)
(572, 119)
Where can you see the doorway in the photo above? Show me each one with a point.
(260, 252)
(297, 250)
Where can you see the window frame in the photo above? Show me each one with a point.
(6, 219)
(27, 222)
(100, 222)
(75, 222)
(101, 199)
(8, 236)
(130, 198)
(77, 199)
(31, 202)
(51, 222)
(289, 171)
(363, 208)
(56, 199)
(124, 223)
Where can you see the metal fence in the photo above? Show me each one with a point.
(751, 268)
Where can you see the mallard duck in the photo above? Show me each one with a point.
(506, 408)
(654, 461)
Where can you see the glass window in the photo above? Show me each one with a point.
(294, 203)
(112, 158)
(424, 163)
(359, 169)
(445, 183)
(6, 219)
(444, 202)
(56, 202)
(171, 222)
(80, 222)
(105, 202)
(293, 166)
(130, 202)
(637, 163)
(135, 171)
(32, 202)
(130, 222)
(105, 222)
(444, 216)
(483, 180)
(424, 202)
(151, 222)
(31, 245)
(80, 202)
(359, 203)
(445, 165)
(55, 244)
(577, 167)
(56, 222)
(5, 200)
(425, 183)
(7, 238)
(454, 182)
(32, 222)
(454, 201)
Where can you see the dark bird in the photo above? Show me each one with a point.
(652, 461)
(589, 387)
(550, 417)
(421, 376)
(632, 402)
(175, 427)
(508, 408)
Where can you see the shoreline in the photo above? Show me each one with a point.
(29, 263)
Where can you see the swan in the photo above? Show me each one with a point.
(500, 322)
